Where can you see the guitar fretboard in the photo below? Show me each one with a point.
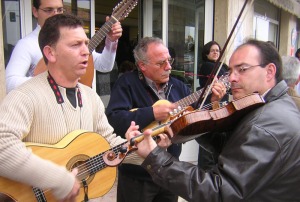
(101, 33)
(188, 100)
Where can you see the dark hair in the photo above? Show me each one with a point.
(37, 3)
(268, 54)
(297, 52)
(206, 49)
(50, 32)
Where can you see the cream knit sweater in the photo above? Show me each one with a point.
(32, 114)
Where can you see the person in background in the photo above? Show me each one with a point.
(210, 143)
(291, 75)
(48, 107)
(297, 87)
(126, 66)
(26, 54)
(210, 54)
(147, 95)
(297, 54)
(260, 160)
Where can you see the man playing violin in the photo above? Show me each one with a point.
(147, 90)
(260, 160)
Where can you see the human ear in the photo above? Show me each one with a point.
(141, 65)
(49, 52)
(271, 71)
(35, 12)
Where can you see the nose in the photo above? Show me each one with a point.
(168, 66)
(233, 77)
(85, 49)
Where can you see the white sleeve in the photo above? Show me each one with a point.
(104, 62)
(24, 58)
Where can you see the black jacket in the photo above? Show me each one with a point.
(205, 70)
(259, 162)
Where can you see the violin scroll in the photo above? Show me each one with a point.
(112, 159)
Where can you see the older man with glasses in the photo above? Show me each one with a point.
(146, 96)
(26, 54)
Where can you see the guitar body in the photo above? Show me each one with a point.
(72, 151)
(86, 79)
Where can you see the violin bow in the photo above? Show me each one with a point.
(217, 68)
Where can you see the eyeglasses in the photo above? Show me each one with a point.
(163, 64)
(241, 69)
(52, 10)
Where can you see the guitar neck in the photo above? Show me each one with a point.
(188, 100)
(101, 33)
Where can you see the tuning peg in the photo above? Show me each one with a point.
(123, 149)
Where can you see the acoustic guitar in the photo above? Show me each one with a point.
(88, 152)
(120, 12)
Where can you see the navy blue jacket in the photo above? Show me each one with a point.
(131, 91)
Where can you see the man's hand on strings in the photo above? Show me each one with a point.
(218, 91)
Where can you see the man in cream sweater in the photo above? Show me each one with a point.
(49, 106)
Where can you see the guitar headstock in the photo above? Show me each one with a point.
(122, 9)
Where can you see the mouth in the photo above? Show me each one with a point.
(84, 63)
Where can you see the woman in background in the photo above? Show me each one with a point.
(210, 54)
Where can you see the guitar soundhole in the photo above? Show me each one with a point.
(6, 198)
(84, 170)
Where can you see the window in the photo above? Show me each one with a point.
(185, 37)
(11, 26)
(266, 23)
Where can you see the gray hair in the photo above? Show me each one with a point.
(140, 51)
(291, 69)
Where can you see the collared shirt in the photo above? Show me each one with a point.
(159, 92)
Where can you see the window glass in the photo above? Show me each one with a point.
(11, 26)
(157, 18)
(82, 9)
(266, 22)
(185, 37)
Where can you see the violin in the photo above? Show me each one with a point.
(194, 124)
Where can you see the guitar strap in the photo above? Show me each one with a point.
(57, 93)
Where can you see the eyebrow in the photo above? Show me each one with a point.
(241, 64)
